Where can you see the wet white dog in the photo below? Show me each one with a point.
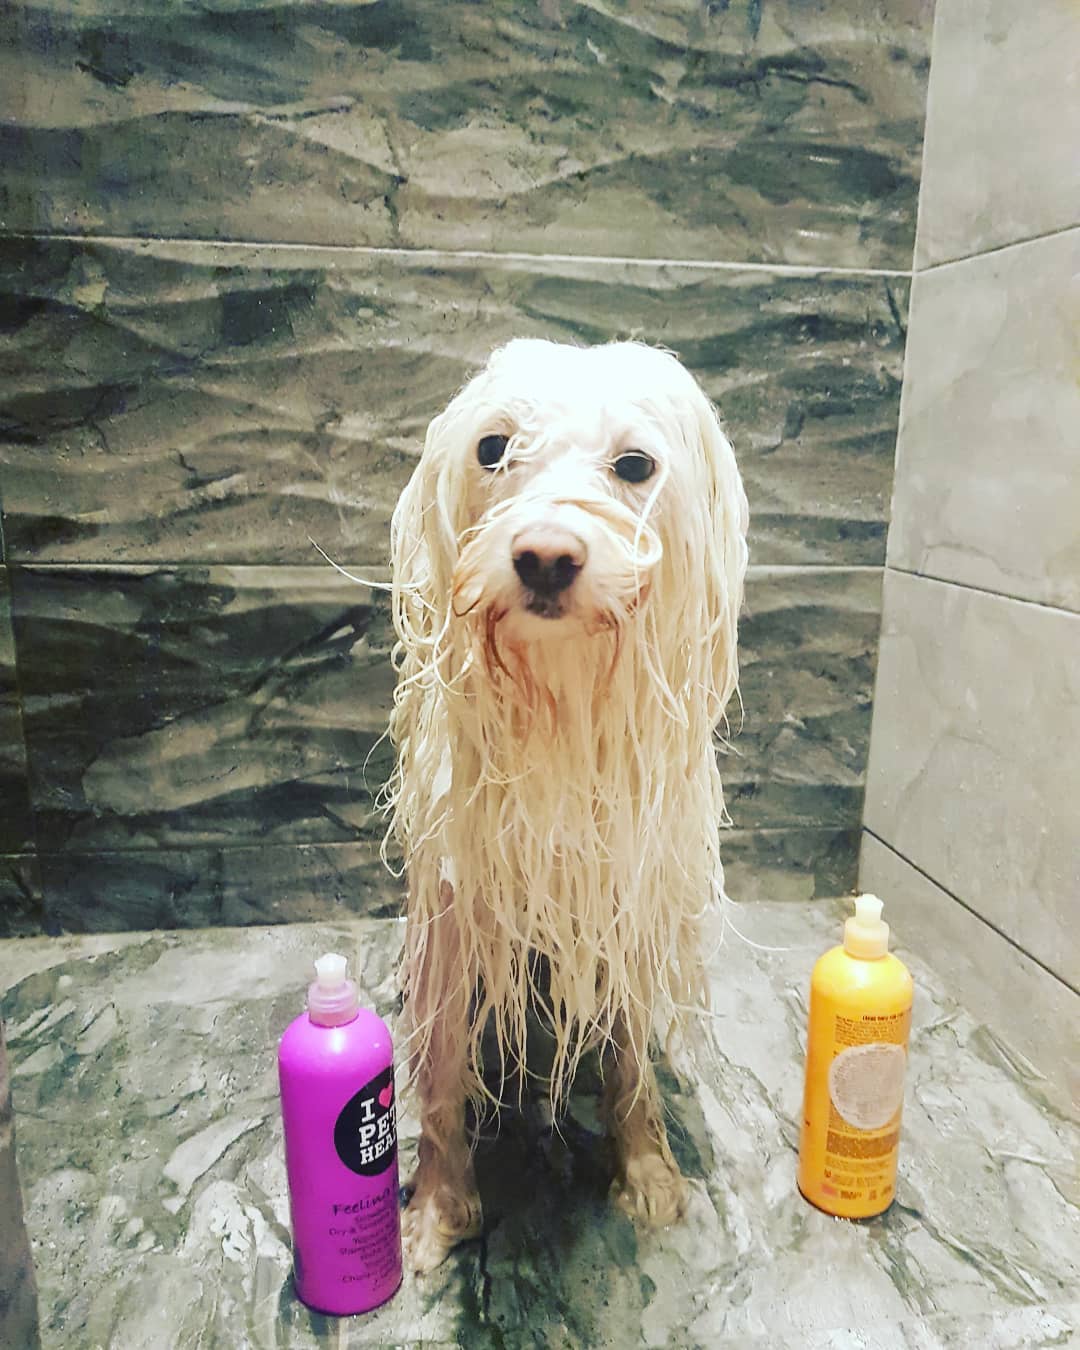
(568, 570)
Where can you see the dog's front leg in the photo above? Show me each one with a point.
(648, 1184)
(445, 1206)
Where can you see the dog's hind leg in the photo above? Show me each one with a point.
(648, 1184)
(445, 1205)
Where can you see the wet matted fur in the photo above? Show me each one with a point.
(557, 789)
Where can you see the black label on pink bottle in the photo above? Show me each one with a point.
(365, 1135)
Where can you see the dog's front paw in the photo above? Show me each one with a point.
(435, 1222)
(652, 1190)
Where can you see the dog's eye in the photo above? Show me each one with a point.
(635, 466)
(490, 450)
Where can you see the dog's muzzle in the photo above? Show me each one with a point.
(547, 560)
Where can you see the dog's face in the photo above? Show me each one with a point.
(561, 465)
(566, 490)
(563, 461)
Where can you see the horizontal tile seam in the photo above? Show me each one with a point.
(365, 845)
(470, 255)
(972, 911)
(245, 846)
(379, 571)
(1026, 242)
(984, 590)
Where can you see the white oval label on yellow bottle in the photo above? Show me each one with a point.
(866, 1084)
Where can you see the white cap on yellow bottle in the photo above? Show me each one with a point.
(866, 934)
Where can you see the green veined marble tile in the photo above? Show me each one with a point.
(191, 708)
(787, 132)
(238, 886)
(789, 863)
(227, 887)
(16, 830)
(807, 658)
(197, 404)
(202, 706)
(22, 897)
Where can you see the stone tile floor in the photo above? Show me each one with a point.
(150, 1148)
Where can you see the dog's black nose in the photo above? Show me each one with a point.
(548, 560)
(545, 576)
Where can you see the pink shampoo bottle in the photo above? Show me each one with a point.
(336, 1068)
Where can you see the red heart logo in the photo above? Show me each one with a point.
(386, 1096)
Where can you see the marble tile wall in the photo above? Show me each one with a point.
(779, 133)
(1031, 1008)
(987, 489)
(21, 895)
(181, 403)
(16, 826)
(978, 697)
(973, 785)
(202, 698)
(1002, 161)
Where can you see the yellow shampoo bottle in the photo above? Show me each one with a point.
(856, 1057)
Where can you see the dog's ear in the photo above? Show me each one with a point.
(728, 518)
(423, 545)
(433, 513)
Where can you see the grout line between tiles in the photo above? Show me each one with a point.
(378, 571)
(785, 568)
(972, 911)
(980, 590)
(998, 248)
(369, 846)
(472, 255)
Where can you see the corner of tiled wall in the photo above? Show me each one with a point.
(972, 824)
(243, 263)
